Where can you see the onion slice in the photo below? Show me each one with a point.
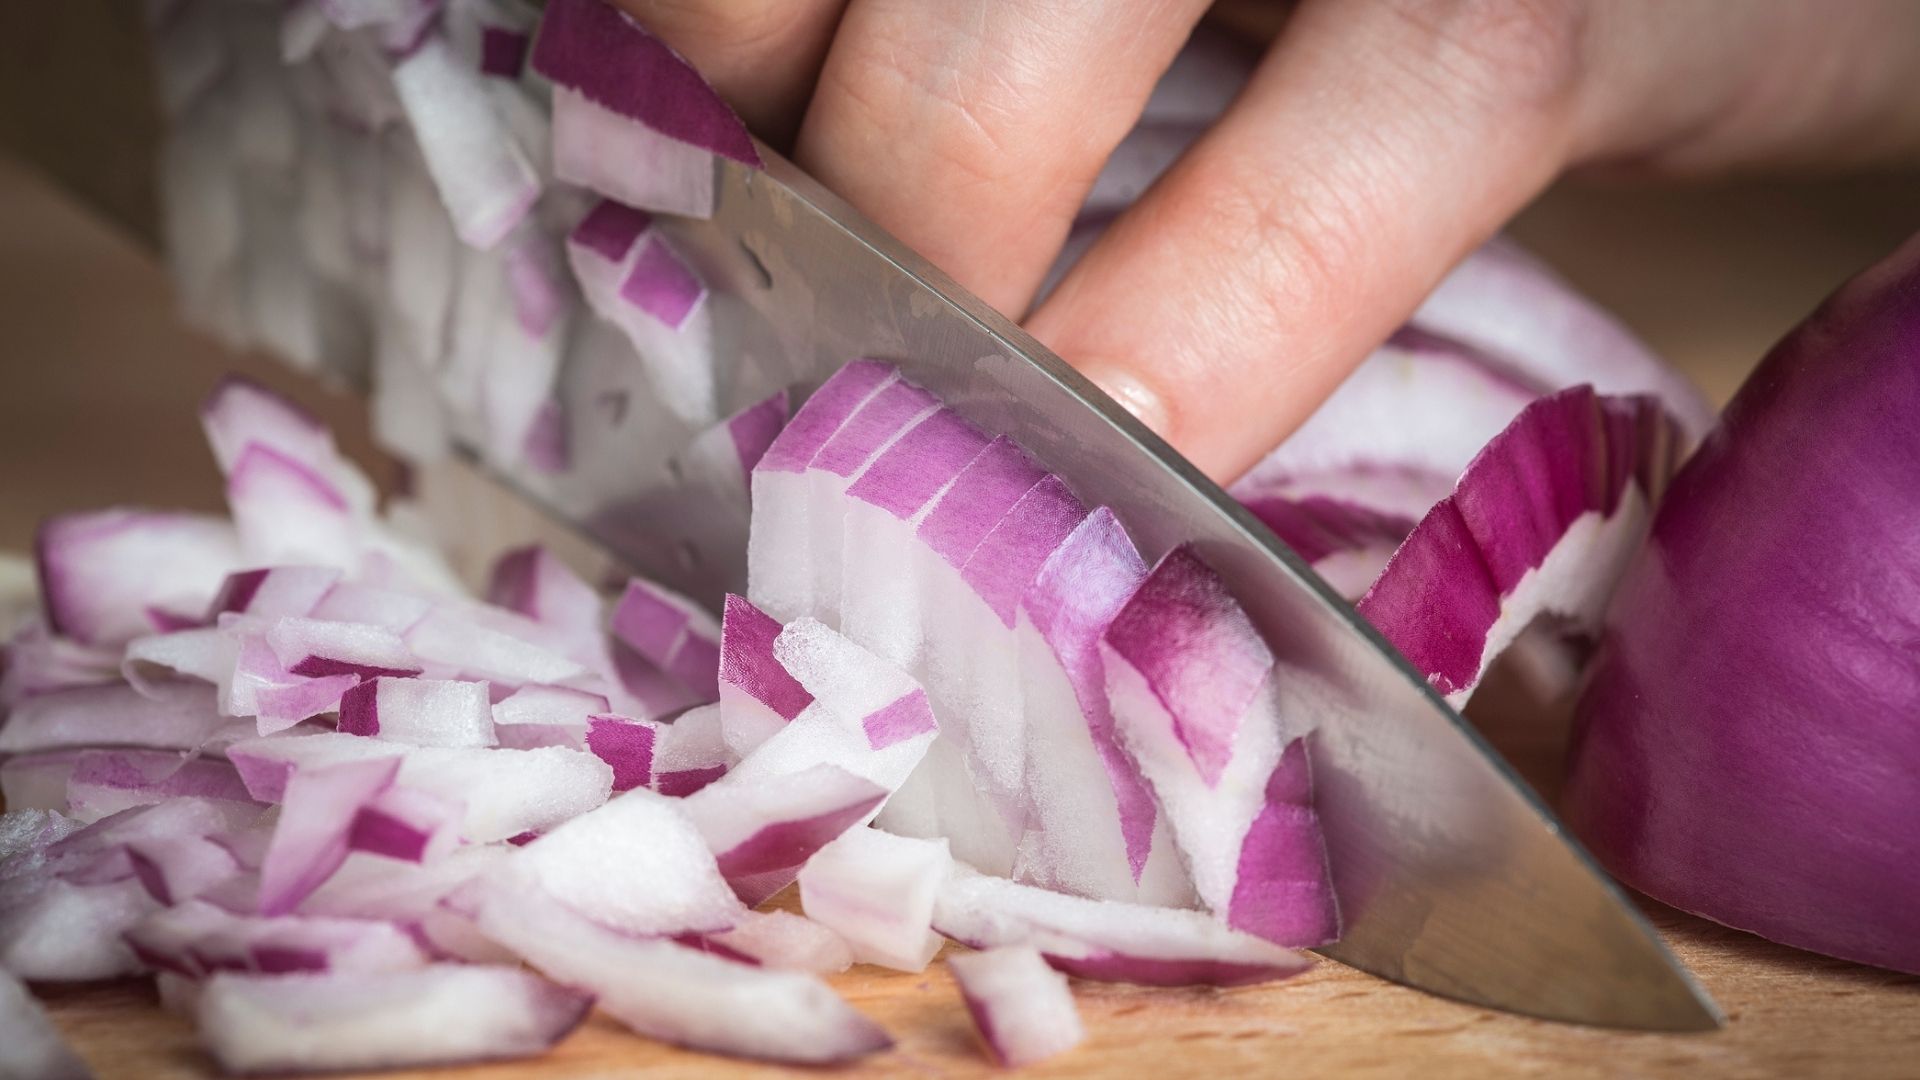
(1189, 679)
(1541, 523)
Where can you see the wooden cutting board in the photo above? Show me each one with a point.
(97, 389)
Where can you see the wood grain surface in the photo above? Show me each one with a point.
(97, 388)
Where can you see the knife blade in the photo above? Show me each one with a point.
(1454, 877)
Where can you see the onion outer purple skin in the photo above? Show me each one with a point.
(1748, 744)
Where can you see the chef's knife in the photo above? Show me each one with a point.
(1453, 877)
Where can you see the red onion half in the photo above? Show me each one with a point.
(1748, 745)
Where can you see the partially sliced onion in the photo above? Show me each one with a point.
(1507, 304)
(1746, 747)
(1109, 839)
(779, 553)
(1022, 1008)
(446, 1014)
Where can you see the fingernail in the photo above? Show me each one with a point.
(1133, 395)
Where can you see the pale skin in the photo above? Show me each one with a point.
(1378, 142)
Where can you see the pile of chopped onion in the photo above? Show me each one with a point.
(350, 816)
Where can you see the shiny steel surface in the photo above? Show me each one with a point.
(1454, 878)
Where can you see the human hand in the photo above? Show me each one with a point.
(1376, 144)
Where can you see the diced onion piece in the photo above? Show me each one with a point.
(101, 572)
(58, 931)
(30, 1045)
(763, 830)
(636, 864)
(534, 582)
(441, 1015)
(317, 815)
(275, 592)
(789, 942)
(1022, 1008)
(505, 792)
(682, 995)
(626, 745)
(758, 696)
(671, 632)
(877, 891)
(422, 712)
(1106, 940)
(484, 179)
(176, 716)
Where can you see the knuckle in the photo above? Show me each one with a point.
(933, 102)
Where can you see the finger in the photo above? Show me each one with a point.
(971, 129)
(761, 55)
(1373, 148)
